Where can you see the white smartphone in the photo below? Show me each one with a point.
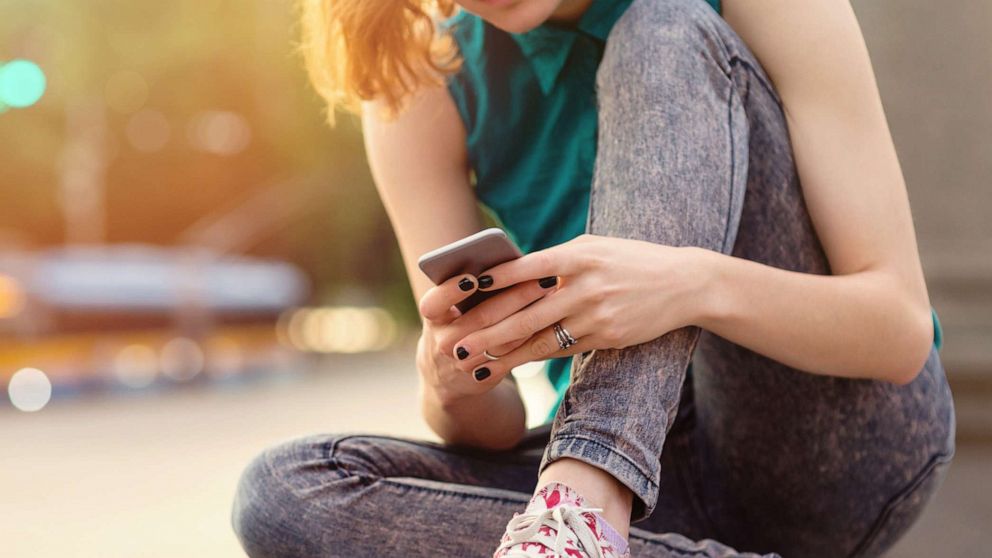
(472, 254)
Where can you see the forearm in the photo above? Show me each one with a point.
(861, 325)
(494, 420)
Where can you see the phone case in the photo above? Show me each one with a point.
(472, 254)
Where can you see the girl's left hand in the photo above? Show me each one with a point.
(611, 293)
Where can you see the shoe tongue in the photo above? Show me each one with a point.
(556, 494)
(552, 495)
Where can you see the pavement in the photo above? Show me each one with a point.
(152, 475)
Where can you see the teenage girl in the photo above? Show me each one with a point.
(721, 272)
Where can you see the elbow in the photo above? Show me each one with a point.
(903, 377)
(502, 441)
(915, 349)
(506, 436)
(507, 441)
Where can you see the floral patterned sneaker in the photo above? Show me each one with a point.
(557, 523)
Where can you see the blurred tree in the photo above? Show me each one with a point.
(200, 103)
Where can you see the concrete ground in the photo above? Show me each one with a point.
(153, 475)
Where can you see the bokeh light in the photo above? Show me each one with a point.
(29, 389)
(22, 83)
(181, 359)
(12, 298)
(136, 366)
(219, 132)
(148, 130)
(344, 329)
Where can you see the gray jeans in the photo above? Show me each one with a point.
(717, 443)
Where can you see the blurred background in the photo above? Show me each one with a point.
(193, 266)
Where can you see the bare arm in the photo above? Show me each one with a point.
(419, 164)
(876, 306)
(870, 319)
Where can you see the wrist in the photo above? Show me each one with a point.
(432, 394)
(707, 286)
(440, 397)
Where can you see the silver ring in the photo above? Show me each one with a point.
(565, 339)
(486, 354)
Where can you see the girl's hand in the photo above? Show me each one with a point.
(443, 324)
(611, 293)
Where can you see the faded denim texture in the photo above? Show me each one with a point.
(693, 150)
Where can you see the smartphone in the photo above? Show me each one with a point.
(472, 254)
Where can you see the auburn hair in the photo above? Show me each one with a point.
(360, 50)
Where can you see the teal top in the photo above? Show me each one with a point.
(528, 103)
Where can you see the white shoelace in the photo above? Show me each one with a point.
(563, 519)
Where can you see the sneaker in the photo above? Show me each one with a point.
(557, 523)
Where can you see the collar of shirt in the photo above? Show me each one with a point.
(548, 46)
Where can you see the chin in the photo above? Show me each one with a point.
(512, 16)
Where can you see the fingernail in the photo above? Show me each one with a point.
(466, 284)
(485, 281)
(548, 282)
(462, 353)
(482, 374)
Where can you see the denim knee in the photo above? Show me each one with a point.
(268, 505)
(655, 39)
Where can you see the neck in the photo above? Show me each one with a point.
(570, 10)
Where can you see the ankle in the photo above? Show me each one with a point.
(598, 489)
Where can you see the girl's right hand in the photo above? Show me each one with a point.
(443, 324)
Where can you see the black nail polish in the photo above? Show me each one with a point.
(465, 284)
(548, 282)
(462, 353)
(485, 282)
(482, 374)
